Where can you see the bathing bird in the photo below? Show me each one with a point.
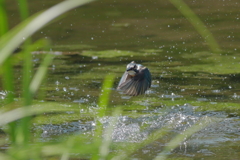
(135, 80)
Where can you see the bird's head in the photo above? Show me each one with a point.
(132, 68)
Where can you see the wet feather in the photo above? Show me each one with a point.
(137, 84)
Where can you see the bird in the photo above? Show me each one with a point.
(135, 80)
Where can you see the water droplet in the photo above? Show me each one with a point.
(216, 91)
(67, 77)
(81, 110)
(93, 123)
(94, 57)
(57, 82)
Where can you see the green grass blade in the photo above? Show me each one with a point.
(3, 18)
(105, 94)
(40, 74)
(18, 35)
(102, 104)
(7, 68)
(18, 113)
(5, 156)
(107, 137)
(27, 73)
(28, 92)
(23, 9)
(27, 65)
(197, 23)
(8, 80)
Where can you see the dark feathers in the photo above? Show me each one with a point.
(137, 84)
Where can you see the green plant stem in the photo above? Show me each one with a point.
(107, 136)
(102, 104)
(3, 18)
(24, 133)
(7, 66)
(40, 74)
(23, 9)
(27, 65)
(105, 94)
(7, 69)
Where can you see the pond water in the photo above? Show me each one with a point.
(190, 82)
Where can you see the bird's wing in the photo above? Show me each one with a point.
(138, 84)
(125, 77)
(147, 76)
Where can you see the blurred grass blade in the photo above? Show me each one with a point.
(4, 156)
(27, 73)
(42, 70)
(105, 94)
(8, 79)
(102, 104)
(3, 18)
(23, 132)
(40, 74)
(23, 9)
(198, 24)
(107, 137)
(7, 70)
(185, 135)
(18, 35)
(27, 61)
(19, 113)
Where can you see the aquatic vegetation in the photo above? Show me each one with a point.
(109, 53)
(213, 63)
(103, 125)
(73, 47)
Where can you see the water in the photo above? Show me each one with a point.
(189, 81)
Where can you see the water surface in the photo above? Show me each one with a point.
(189, 81)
